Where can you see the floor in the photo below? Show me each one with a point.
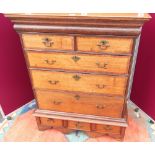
(21, 126)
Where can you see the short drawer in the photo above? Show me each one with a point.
(105, 44)
(51, 122)
(108, 129)
(91, 83)
(45, 41)
(80, 103)
(79, 125)
(80, 62)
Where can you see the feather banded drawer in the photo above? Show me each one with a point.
(81, 68)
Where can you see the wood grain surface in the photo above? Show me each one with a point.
(79, 82)
(46, 41)
(115, 45)
(79, 62)
(74, 102)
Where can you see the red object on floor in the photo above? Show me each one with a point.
(25, 129)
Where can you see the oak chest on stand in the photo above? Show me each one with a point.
(81, 68)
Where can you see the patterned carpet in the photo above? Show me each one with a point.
(21, 126)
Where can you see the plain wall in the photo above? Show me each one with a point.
(143, 90)
(15, 87)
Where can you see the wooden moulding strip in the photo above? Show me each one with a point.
(78, 30)
(81, 117)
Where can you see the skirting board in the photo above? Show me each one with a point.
(31, 102)
(132, 103)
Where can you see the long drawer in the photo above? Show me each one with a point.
(47, 41)
(80, 62)
(115, 45)
(80, 103)
(90, 83)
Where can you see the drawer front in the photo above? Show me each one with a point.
(79, 125)
(43, 41)
(105, 44)
(79, 82)
(108, 129)
(80, 62)
(51, 122)
(80, 103)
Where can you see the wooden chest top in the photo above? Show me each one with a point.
(90, 23)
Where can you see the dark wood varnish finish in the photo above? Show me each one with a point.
(81, 68)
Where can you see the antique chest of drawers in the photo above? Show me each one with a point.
(81, 68)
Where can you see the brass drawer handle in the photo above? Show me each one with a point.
(50, 62)
(100, 86)
(76, 77)
(50, 120)
(78, 125)
(76, 58)
(107, 127)
(53, 82)
(104, 66)
(103, 44)
(57, 102)
(47, 42)
(99, 106)
(77, 97)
